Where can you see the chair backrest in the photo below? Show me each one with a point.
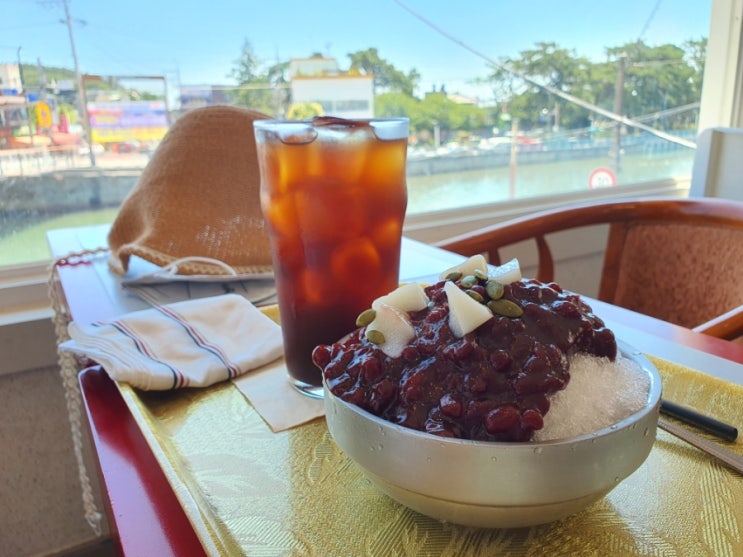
(680, 260)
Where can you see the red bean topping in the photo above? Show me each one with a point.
(371, 369)
(480, 289)
(532, 419)
(502, 419)
(493, 384)
(450, 406)
(321, 355)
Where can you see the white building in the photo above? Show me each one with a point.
(342, 94)
(10, 78)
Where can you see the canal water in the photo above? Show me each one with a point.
(22, 242)
(473, 187)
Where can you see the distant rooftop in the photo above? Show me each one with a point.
(313, 66)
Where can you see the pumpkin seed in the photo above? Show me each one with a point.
(475, 295)
(454, 276)
(494, 289)
(468, 282)
(506, 308)
(480, 274)
(374, 336)
(365, 317)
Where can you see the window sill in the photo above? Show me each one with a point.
(27, 339)
(24, 293)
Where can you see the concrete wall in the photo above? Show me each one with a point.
(58, 192)
(41, 509)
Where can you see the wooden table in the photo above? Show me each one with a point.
(145, 516)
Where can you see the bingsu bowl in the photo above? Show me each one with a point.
(510, 433)
(497, 484)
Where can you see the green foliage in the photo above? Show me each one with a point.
(387, 78)
(655, 79)
(32, 76)
(262, 90)
(304, 111)
(70, 111)
(397, 104)
(436, 109)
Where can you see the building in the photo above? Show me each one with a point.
(10, 79)
(345, 96)
(319, 80)
(198, 96)
(313, 66)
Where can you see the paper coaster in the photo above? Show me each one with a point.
(280, 405)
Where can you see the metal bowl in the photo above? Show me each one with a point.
(496, 485)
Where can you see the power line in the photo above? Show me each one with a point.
(563, 95)
(649, 20)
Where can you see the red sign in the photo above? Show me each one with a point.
(602, 178)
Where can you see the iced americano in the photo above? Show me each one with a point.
(333, 195)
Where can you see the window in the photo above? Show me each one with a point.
(506, 106)
(352, 105)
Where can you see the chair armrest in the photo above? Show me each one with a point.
(728, 326)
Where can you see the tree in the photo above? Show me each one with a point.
(304, 111)
(387, 78)
(547, 65)
(658, 79)
(394, 104)
(655, 79)
(255, 90)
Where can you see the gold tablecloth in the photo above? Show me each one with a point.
(249, 491)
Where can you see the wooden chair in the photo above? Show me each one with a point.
(677, 259)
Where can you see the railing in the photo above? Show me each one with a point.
(33, 161)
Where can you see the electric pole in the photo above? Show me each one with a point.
(82, 95)
(618, 108)
(29, 123)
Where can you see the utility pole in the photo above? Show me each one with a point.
(42, 80)
(82, 95)
(512, 163)
(29, 123)
(20, 69)
(618, 108)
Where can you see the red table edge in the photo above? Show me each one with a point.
(136, 487)
(726, 349)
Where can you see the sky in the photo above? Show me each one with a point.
(197, 43)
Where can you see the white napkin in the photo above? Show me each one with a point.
(194, 343)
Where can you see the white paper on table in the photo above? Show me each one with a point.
(280, 405)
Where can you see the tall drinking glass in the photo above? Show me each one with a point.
(334, 196)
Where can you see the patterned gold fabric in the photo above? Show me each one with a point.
(250, 491)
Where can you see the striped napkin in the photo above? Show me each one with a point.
(194, 343)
